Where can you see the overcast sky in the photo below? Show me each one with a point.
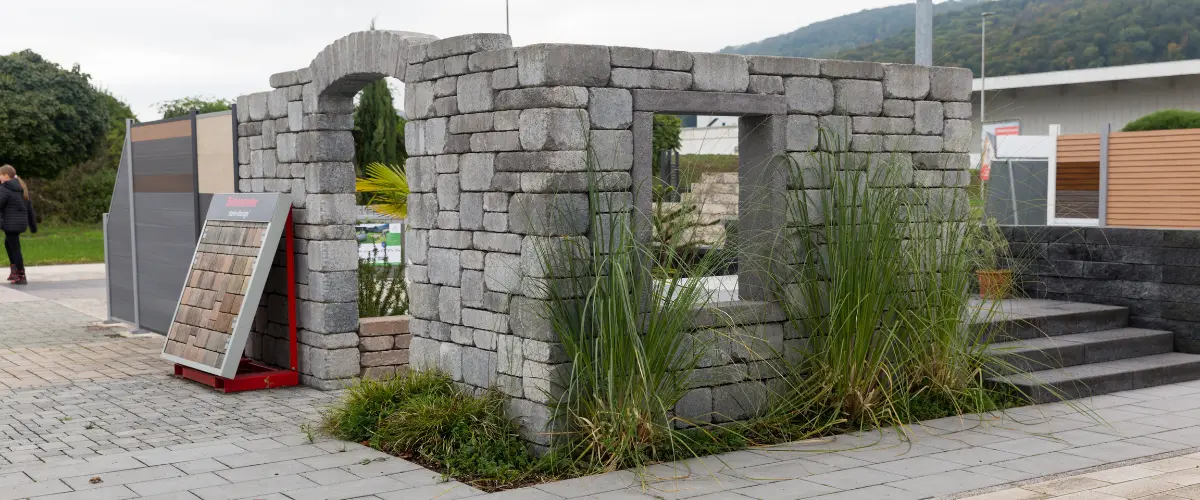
(148, 51)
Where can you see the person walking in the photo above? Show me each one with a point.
(16, 215)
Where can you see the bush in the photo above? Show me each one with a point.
(382, 290)
(1167, 119)
(80, 195)
(427, 418)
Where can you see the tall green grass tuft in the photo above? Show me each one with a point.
(626, 334)
(880, 281)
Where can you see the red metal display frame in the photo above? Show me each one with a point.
(253, 375)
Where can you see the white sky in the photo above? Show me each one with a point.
(148, 51)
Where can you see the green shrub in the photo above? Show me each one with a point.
(382, 290)
(1167, 119)
(79, 195)
(426, 417)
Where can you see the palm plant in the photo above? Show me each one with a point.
(387, 189)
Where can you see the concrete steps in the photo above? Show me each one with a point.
(1054, 350)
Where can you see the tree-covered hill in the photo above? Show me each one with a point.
(1031, 36)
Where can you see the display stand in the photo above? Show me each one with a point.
(253, 375)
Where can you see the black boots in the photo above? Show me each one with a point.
(12, 273)
(17, 276)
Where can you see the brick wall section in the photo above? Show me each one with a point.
(383, 343)
(1153, 272)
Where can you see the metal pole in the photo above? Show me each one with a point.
(137, 301)
(924, 30)
(507, 28)
(1012, 193)
(1102, 212)
(107, 269)
(983, 71)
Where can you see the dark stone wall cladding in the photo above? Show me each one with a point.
(1153, 272)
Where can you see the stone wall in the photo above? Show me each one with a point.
(500, 141)
(383, 343)
(1153, 272)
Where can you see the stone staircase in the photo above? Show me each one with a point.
(1055, 350)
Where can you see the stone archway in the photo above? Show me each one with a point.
(297, 139)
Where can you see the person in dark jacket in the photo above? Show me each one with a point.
(16, 215)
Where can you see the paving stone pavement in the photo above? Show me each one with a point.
(89, 413)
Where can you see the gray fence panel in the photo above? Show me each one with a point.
(120, 245)
(1018, 196)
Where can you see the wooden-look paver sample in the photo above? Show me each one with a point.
(216, 287)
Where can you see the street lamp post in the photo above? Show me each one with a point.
(983, 70)
(507, 30)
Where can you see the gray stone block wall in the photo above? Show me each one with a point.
(500, 140)
(1153, 272)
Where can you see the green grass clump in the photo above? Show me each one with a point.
(426, 418)
(61, 244)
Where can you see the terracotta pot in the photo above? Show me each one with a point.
(995, 284)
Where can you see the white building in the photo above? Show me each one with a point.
(1083, 101)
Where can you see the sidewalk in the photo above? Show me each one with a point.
(89, 413)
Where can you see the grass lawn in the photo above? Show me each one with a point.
(61, 244)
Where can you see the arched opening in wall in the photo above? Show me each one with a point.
(382, 197)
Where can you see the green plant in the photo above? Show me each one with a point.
(425, 417)
(881, 287)
(1167, 119)
(675, 240)
(184, 105)
(626, 336)
(666, 135)
(987, 245)
(382, 290)
(80, 195)
(53, 118)
(386, 188)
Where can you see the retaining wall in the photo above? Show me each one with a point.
(1153, 272)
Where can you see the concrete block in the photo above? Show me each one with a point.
(475, 93)
(445, 106)
(329, 364)
(958, 110)
(440, 238)
(327, 317)
(957, 136)
(672, 60)
(472, 288)
(836, 132)
(542, 161)
(422, 174)
(866, 143)
(496, 141)
(470, 209)
(467, 44)
(812, 96)
(766, 84)
(912, 143)
(444, 266)
(898, 108)
(329, 177)
(651, 79)
(479, 367)
(495, 202)
(435, 135)
(492, 60)
(333, 255)
(506, 120)
(905, 81)
(554, 129)
(610, 108)
(456, 65)
(942, 161)
(631, 57)
(450, 360)
(802, 134)
(423, 301)
(563, 64)
(720, 72)
(497, 242)
(695, 407)
(418, 100)
(858, 97)
(739, 401)
(542, 97)
(882, 125)
(510, 357)
(329, 340)
(447, 191)
(277, 101)
(472, 259)
(929, 117)
(548, 214)
(950, 84)
(506, 78)
(493, 221)
(336, 286)
(716, 103)
(392, 357)
(325, 146)
(502, 272)
(859, 70)
(445, 87)
(784, 66)
(449, 305)
(486, 320)
(611, 150)
(476, 171)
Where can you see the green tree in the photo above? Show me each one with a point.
(50, 118)
(666, 135)
(1167, 119)
(375, 121)
(185, 105)
(118, 112)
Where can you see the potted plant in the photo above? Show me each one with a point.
(992, 251)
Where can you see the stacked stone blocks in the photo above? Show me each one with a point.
(500, 143)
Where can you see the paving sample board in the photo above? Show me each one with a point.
(225, 281)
